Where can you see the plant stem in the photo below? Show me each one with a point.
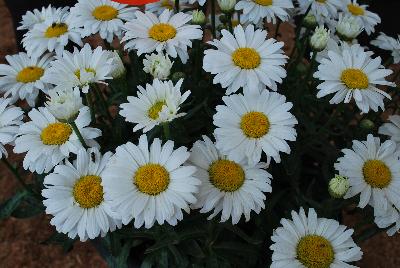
(17, 176)
(213, 18)
(310, 70)
(103, 101)
(230, 27)
(177, 6)
(166, 130)
(278, 25)
(78, 133)
(91, 108)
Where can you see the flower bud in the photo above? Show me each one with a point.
(198, 17)
(64, 105)
(367, 124)
(310, 21)
(158, 65)
(348, 28)
(227, 6)
(319, 39)
(119, 68)
(338, 186)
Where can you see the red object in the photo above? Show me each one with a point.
(135, 2)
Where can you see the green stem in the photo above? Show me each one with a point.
(213, 18)
(311, 69)
(91, 108)
(103, 101)
(296, 43)
(78, 133)
(230, 27)
(278, 25)
(17, 176)
(177, 6)
(166, 130)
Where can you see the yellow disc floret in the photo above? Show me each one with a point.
(151, 179)
(354, 79)
(226, 175)
(88, 70)
(105, 13)
(246, 58)
(167, 4)
(155, 109)
(264, 2)
(56, 30)
(321, 1)
(88, 192)
(377, 174)
(255, 124)
(30, 74)
(162, 32)
(355, 10)
(56, 134)
(315, 251)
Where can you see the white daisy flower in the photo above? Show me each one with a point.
(246, 59)
(150, 184)
(51, 35)
(169, 32)
(256, 10)
(348, 27)
(374, 172)
(388, 43)
(74, 196)
(232, 188)
(64, 105)
(254, 122)
(156, 104)
(105, 17)
(353, 74)
(311, 242)
(366, 18)
(159, 6)
(201, 2)
(391, 129)
(80, 68)
(158, 65)
(323, 10)
(10, 120)
(47, 141)
(389, 219)
(31, 18)
(22, 77)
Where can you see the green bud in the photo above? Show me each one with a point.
(338, 186)
(367, 124)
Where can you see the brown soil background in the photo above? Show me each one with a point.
(20, 239)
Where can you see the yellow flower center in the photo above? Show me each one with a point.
(56, 134)
(246, 58)
(355, 10)
(255, 124)
(151, 179)
(315, 251)
(226, 175)
(162, 32)
(155, 109)
(264, 2)
(354, 79)
(167, 4)
(30, 74)
(377, 174)
(321, 1)
(88, 192)
(89, 70)
(56, 30)
(105, 13)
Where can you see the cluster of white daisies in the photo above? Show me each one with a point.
(145, 183)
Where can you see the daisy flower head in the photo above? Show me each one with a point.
(312, 242)
(389, 220)
(169, 32)
(245, 59)
(348, 28)
(250, 124)
(232, 188)
(31, 18)
(158, 65)
(367, 19)
(51, 35)
(64, 105)
(149, 184)
(81, 68)
(10, 120)
(323, 10)
(353, 73)
(391, 129)
(388, 43)
(156, 104)
(74, 197)
(159, 6)
(47, 141)
(23, 77)
(105, 17)
(373, 171)
(256, 10)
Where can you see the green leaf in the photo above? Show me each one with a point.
(60, 239)
(7, 208)
(236, 230)
(29, 207)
